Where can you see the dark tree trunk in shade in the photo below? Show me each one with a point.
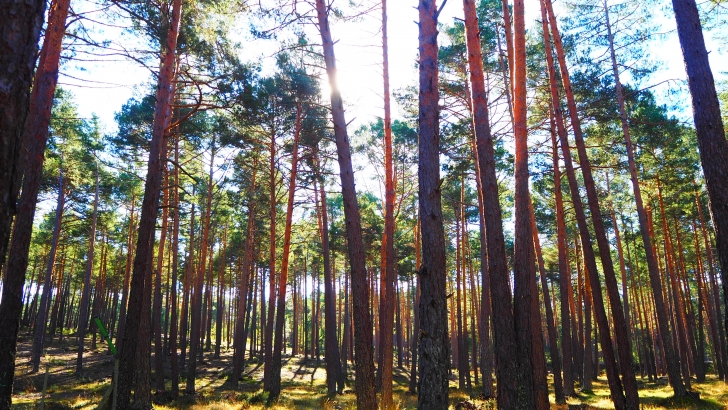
(21, 23)
(24, 120)
(174, 361)
(564, 271)
(145, 239)
(275, 386)
(364, 364)
(334, 374)
(41, 319)
(86, 292)
(531, 366)
(196, 322)
(239, 340)
(433, 350)
(709, 127)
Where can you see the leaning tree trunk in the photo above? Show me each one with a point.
(621, 327)
(21, 23)
(275, 386)
(145, 239)
(501, 300)
(364, 366)
(615, 384)
(673, 365)
(434, 352)
(709, 127)
(86, 295)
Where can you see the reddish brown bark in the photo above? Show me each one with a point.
(618, 395)
(364, 366)
(565, 294)
(530, 349)
(275, 389)
(145, 240)
(19, 45)
(501, 300)
(673, 367)
(243, 285)
(196, 321)
(387, 311)
(334, 375)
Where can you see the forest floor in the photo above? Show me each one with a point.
(303, 386)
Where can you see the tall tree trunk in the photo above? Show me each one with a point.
(145, 240)
(501, 300)
(364, 387)
(334, 375)
(21, 22)
(530, 348)
(196, 323)
(709, 127)
(615, 384)
(673, 365)
(220, 308)
(550, 323)
(416, 310)
(275, 389)
(86, 295)
(268, 342)
(41, 320)
(433, 346)
(621, 329)
(157, 301)
(174, 361)
(239, 341)
(387, 305)
(564, 271)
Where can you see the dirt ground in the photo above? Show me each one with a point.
(303, 385)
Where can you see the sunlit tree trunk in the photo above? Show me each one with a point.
(530, 348)
(145, 240)
(615, 384)
(673, 366)
(501, 300)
